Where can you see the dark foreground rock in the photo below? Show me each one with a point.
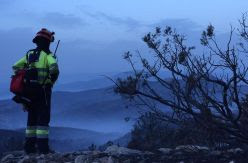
(115, 154)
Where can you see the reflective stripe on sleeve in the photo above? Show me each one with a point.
(53, 68)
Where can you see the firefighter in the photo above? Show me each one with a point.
(42, 72)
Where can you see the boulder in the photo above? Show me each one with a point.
(28, 159)
(165, 150)
(7, 157)
(191, 148)
(115, 150)
(81, 159)
(235, 151)
(215, 153)
(110, 160)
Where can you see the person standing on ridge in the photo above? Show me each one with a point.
(42, 72)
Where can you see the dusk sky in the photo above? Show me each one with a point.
(95, 34)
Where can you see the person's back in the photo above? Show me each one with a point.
(42, 72)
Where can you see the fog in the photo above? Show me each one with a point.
(94, 36)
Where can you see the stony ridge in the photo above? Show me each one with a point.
(115, 154)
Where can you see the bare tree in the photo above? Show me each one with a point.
(207, 87)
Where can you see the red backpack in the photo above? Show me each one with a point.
(17, 82)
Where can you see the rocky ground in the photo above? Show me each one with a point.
(115, 154)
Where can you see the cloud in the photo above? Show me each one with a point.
(128, 22)
(179, 24)
(131, 23)
(6, 2)
(6, 6)
(63, 20)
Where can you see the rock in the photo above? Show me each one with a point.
(115, 150)
(15, 153)
(116, 154)
(148, 153)
(103, 159)
(7, 157)
(84, 159)
(235, 151)
(142, 161)
(191, 148)
(41, 161)
(110, 160)
(165, 150)
(178, 153)
(80, 159)
(127, 161)
(86, 152)
(27, 159)
(215, 153)
(42, 156)
(56, 155)
(96, 152)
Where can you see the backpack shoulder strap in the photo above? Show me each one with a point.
(27, 58)
(32, 56)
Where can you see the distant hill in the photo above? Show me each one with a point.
(4, 90)
(62, 139)
(73, 82)
(77, 139)
(83, 85)
(100, 81)
(99, 110)
(10, 140)
(11, 115)
(96, 109)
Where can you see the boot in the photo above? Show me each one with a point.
(43, 146)
(29, 146)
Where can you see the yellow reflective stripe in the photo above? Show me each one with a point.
(42, 74)
(42, 132)
(30, 131)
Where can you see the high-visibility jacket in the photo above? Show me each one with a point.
(46, 66)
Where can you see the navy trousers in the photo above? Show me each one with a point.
(37, 130)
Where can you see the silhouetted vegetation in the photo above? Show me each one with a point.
(92, 147)
(204, 102)
(152, 133)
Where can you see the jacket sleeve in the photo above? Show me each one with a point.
(19, 64)
(53, 68)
